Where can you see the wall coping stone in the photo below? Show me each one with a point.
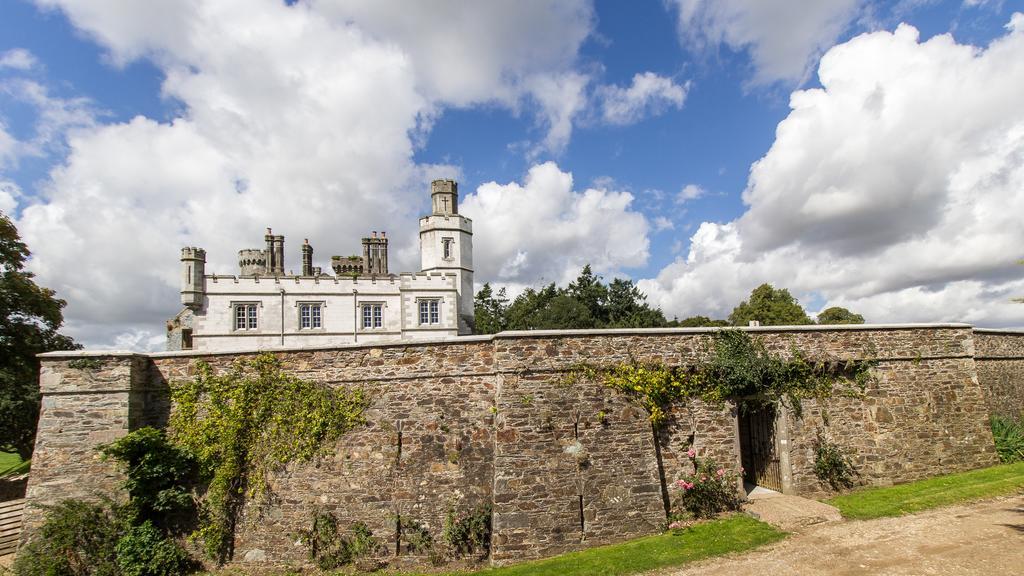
(511, 334)
(1006, 331)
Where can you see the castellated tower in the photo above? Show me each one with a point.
(446, 245)
(193, 281)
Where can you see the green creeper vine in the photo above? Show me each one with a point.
(739, 369)
(246, 423)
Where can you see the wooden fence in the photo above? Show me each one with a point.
(10, 525)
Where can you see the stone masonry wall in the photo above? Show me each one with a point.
(87, 402)
(494, 420)
(999, 355)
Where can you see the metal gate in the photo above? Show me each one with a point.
(758, 448)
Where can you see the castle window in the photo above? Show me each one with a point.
(310, 316)
(430, 312)
(373, 316)
(446, 247)
(245, 316)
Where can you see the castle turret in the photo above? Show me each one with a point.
(444, 197)
(193, 282)
(446, 245)
(252, 262)
(307, 259)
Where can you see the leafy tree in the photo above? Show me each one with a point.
(770, 307)
(627, 307)
(562, 312)
(839, 315)
(490, 310)
(30, 316)
(522, 312)
(585, 303)
(698, 322)
(588, 290)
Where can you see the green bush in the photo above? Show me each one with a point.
(709, 491)
(80, 538)
(159, 477)
(468, 532)
(145, 551)
(76, 539)
(832, 465)
(1009, 438)
(329, 549)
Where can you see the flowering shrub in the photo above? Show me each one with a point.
(710, 490)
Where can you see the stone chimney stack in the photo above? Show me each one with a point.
(307, 259)
(375, 254)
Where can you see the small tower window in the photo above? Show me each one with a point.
(446, 247)
(310, 316)
(430, 312)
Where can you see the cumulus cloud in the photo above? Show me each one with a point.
(545, 229)
(689, 192)
(896, 190)
(17, 59)
(649, 94)
(783, 37)
(9, 194)
(55, 119)
(302, 117)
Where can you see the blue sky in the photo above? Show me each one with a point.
(698, 148)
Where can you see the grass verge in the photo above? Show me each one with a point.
(932, 492)
(11, 463)
(733, 534)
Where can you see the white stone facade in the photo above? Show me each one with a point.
(271, 310)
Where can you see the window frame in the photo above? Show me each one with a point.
(250, 317)
(316, 321)
(428, 309)
(447, 248)
(371, 313)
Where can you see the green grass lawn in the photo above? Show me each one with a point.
(932, 492)
(12, 464)
(733, 534)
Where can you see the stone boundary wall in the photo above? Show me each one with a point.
(492, 420)
(999, 356)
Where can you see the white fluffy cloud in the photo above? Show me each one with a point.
(783, 36)
(689, 193)
(648, 94)
(303, 118)
(18, 59)
(544, 229)
(896, 190)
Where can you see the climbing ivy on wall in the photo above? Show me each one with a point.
(739, 368)
(244, 424)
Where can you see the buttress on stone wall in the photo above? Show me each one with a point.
(492, 420)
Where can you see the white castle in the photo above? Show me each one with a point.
(264, 308)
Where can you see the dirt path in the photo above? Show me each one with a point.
(982, 538)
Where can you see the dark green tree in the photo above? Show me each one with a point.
(770, 307)
(490, 310)
(839, 315)
(699, 322)
(588, 290)
(627, 307)
(522, 312)
(562, 312)
(30, 316)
